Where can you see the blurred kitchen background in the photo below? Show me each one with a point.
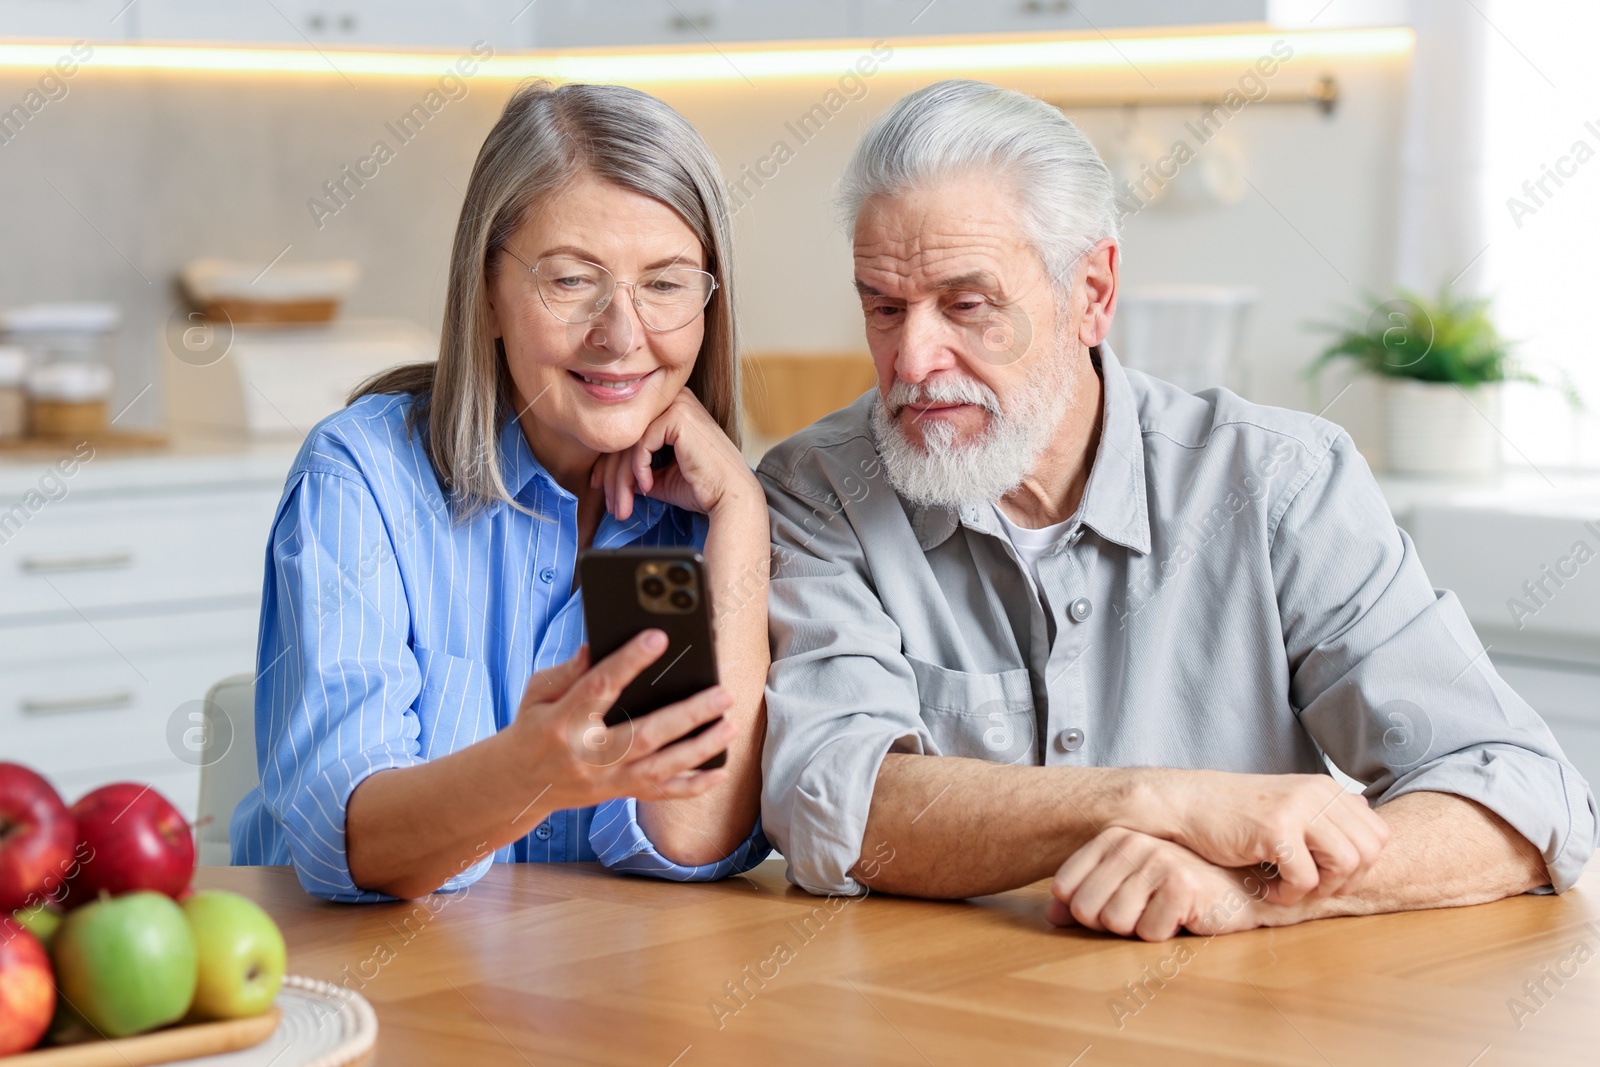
(202, 250)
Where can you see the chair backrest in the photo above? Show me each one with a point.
(225, 779)
(1188, 335)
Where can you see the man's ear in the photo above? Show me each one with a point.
(1098, 269)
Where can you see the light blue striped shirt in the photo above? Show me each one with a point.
(390, 636)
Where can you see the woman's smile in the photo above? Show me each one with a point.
(611, 388)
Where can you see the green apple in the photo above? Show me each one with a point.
(241, 955)
(40, 920)
(127, 963)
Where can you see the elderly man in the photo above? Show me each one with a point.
(1034, 614)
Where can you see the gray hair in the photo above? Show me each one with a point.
(545, 138)
(954, 127)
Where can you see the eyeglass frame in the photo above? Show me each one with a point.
(615, 282)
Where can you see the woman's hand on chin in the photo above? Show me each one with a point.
(707, 475)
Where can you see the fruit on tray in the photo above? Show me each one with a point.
(136, 947)
(241, 955)
(37, 836)
(130, 838)
(127, 964)
(27, 989)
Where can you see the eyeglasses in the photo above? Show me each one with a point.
(577, 291)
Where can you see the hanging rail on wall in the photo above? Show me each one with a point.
(1323, 94)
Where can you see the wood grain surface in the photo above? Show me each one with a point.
(569, 964)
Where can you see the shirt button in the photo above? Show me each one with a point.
(542, 831)
(1070, 740)
(547, 575)
(1081, 608)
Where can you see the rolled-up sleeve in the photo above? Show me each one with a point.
(338, 680)
(620, 842)
(840, 693)
(1392, 682)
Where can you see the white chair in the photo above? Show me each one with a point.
(224, 782)
(1188, 335)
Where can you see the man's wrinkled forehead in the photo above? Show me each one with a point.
(909, 239)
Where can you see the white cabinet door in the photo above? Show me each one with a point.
(452, 27)
(331, 23)
(579, 23)
(92, 20)
(243, 21)
(1567, 695)
(87, 554)
(901, 18)
(85, 704)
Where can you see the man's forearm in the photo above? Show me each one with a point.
(1444, 851)
(966, 827)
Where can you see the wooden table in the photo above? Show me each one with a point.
(568, 964)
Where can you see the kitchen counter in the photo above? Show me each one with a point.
(1515, 549)
(1528, 492)
(186, 460)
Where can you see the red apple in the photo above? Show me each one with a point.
(36, 838)
(129, 838)
(27, 989)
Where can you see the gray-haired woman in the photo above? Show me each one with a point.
(422, 562)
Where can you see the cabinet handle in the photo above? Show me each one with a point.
(82, 561)
(682, 23)
(108, 701)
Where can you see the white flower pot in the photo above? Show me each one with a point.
(1442, 429)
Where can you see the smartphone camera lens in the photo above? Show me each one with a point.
(653, 586)
(678, 574)
(681, 599)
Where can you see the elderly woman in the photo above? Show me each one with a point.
(425, 704)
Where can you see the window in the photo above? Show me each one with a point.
(1541, 198)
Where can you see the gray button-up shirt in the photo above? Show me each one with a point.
(1233, 594)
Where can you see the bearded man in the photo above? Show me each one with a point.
(1034, 614)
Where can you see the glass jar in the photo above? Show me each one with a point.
(68, 399)
(13, 397)
(69, 376)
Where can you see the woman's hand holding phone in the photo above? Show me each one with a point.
(577, 761)
(708, 474)
(708, 470)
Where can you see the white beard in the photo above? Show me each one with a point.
(945, 471)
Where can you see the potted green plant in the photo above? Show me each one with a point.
(1442, 363)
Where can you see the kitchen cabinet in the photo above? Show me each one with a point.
(1567, 696)
(1507, 551)
(93, 20)
(521, 24)
(100, 701)
(127, 587)
(577, 23)
(897, 18)
(333, 23)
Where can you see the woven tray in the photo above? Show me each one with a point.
(312, 1024)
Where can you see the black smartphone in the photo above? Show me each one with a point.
(629, 590)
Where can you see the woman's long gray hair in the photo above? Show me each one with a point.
(544, 139)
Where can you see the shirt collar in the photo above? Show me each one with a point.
(527, 482)
(1114, 504)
